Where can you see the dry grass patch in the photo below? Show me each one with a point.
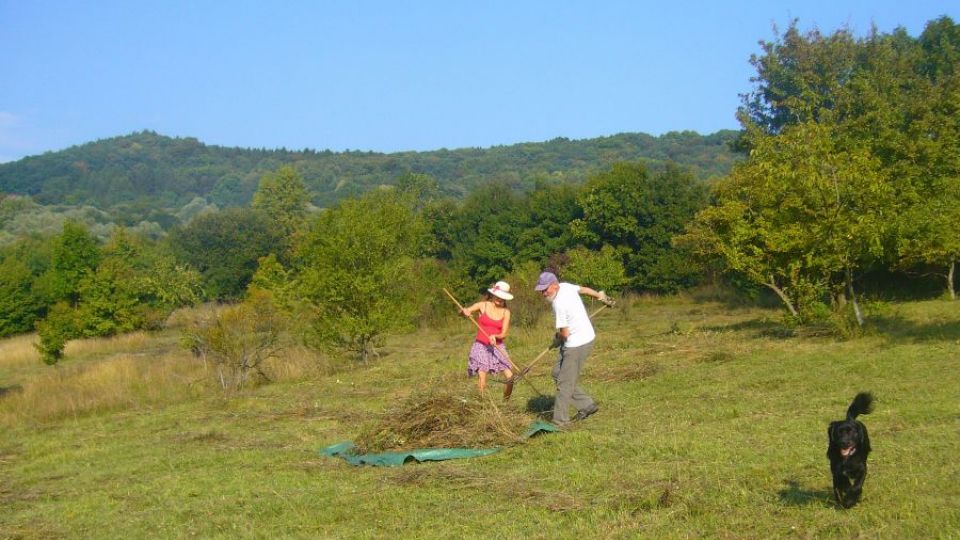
(124, 343)
(298, 362)
(18, 351)
(626, 372)
(123, 382)
(439, 474)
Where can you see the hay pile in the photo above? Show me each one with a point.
(442, 418)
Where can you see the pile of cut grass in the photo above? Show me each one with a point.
(440, 417)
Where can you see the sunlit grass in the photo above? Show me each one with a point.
(122, 343)
(712, 424)
(120, 383)
(19, 351)
(124, 372)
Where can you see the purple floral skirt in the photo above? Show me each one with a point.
(486, 358)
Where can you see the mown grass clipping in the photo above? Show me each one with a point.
(441, 417)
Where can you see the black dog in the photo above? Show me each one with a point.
(848, 450)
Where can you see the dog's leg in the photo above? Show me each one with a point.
(853, 495)
(840, 485)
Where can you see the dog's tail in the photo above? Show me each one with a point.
(862, 404)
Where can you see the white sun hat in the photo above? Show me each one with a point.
(501, 289)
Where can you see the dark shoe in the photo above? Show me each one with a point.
(582, 415)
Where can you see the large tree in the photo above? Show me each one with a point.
(803, 215)
(224, 247)
(930, 232)
(486, 231)
(889, 96)
(282, 198)
(546, 227)
(355, 271)
(638, 213)
(75, 254)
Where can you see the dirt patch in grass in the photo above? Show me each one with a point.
(13, 495)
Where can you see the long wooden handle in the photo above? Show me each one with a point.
(482, 331)
(527, 369)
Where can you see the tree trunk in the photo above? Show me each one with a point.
(783, 296)
(223, 381)
(853, 298)
(950, 275)
(364, 350)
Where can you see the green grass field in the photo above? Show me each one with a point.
(712, 424)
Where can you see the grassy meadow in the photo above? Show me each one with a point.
(712, 424)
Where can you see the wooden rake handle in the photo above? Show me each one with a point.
(527, 369)
(482, 331)
(499, 348)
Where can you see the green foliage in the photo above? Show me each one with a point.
(799, 78)
(601, 270)
(110, 300)
(224, 247)
(239, 340)
(166, 172)
(435, 308)
(929, 233)
(170, 285)
(355, 271)
(638, 214)
(282, 199)
(421, 189)
(854, 148)
(271, 276)
(485, 232)
(134, 285)
(60, 326)
(546, 226)
(799, 214)
(75, 254)
(20, 306)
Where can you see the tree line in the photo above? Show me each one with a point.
(358, 269)
(851, 169)
(146, 176)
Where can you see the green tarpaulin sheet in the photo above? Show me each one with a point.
(394, 459)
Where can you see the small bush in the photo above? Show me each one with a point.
(238, 340)
(60, 326)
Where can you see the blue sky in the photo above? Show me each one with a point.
(392, 76)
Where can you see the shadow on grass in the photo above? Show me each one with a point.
(13, 389)
(795, 495)
(541, 406)
(900, 328)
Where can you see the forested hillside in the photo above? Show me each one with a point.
(148, 170)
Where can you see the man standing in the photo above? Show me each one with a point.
(575, 338)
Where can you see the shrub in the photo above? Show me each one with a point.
(238, 340)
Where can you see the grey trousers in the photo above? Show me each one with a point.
(566, 373)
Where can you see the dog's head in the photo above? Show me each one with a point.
(846, 437)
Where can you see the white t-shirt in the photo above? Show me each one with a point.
(570, 312)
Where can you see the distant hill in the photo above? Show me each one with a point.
(148, 170)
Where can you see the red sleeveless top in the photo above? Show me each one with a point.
(490, 326)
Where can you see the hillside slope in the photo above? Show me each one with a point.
(159, 171)
(712, 424)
